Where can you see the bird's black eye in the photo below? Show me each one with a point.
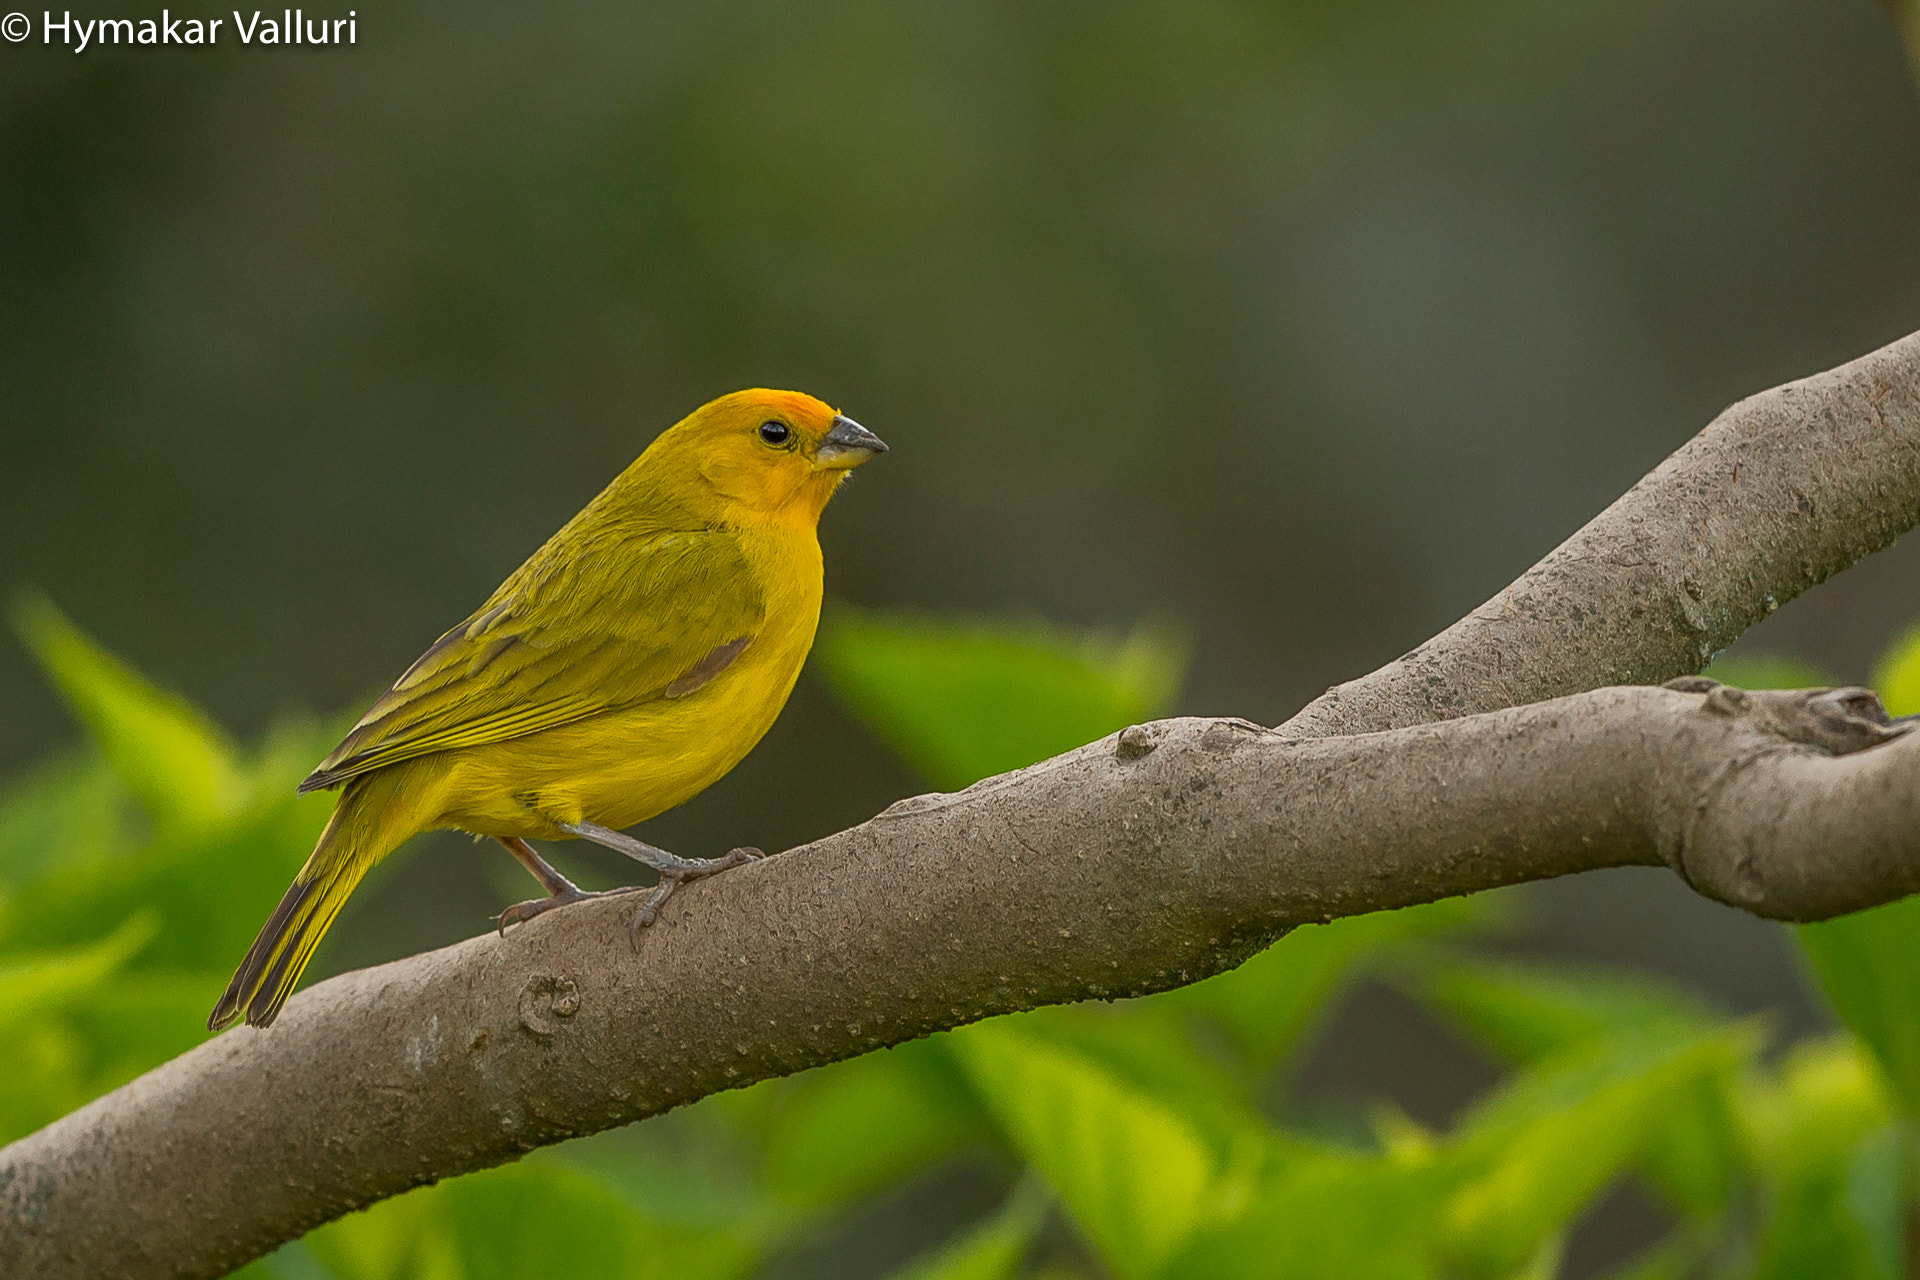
(775, 432)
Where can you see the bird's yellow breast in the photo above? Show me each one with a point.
(626, 766)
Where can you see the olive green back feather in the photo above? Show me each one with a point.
(565, 638)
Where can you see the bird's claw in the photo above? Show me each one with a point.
(670, 880)
(521, 912)
(650, 909)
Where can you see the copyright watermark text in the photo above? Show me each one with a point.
(288, 27)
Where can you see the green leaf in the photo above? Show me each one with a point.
(71, 808)
(846, 1130)
(1530, 1012)
(1551, 1140)
(991, 1251)
(1896, 677)
(1874, 1198)
(215, 887)
(1544, 1264)
(961, 701)
(33, 986)
(1827, 1096)
(291, 1261)
(168, 754)
(403, 1238)
(1134, 1175)
(1823, 1133)
(1868, 963)
(1324, 1216)
(48, 1065)
(695, 1167)
(529, 1220)
(1844, 1220)
(1268, 1003)
(44, 1065)
(518, 1221)
(1146, 1045)
(141, 1019)
(1768, 671)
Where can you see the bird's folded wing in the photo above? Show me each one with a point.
(609, 627)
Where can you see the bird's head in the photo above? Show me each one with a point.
(775, 454)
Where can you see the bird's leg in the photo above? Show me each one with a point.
(674, 870)
(560, 890)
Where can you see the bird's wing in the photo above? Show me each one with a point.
(606, 627)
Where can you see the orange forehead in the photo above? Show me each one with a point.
(798, 406)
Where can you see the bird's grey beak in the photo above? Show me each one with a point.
(847, 444)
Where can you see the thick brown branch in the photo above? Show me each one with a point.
(1780, 492)
(1120, 868)
(1130, 865)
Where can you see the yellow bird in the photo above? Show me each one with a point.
(625, 667)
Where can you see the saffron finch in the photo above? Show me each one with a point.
(627, 665)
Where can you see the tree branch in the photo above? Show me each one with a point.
(1154, 857)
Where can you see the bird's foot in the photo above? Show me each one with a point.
(674, 869)
(678, 872)
(521, 912)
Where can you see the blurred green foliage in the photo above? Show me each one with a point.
(955, 702)
(1134, 1140)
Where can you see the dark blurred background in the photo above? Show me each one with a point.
(1306, 324)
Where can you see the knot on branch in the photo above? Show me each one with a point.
(1136, 740)
(544, 1001)
(1836, 721)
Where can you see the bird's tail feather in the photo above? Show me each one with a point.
(354, 840)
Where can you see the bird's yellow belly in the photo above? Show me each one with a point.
(623, 767)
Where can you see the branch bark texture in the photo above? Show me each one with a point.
(1154, 857)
